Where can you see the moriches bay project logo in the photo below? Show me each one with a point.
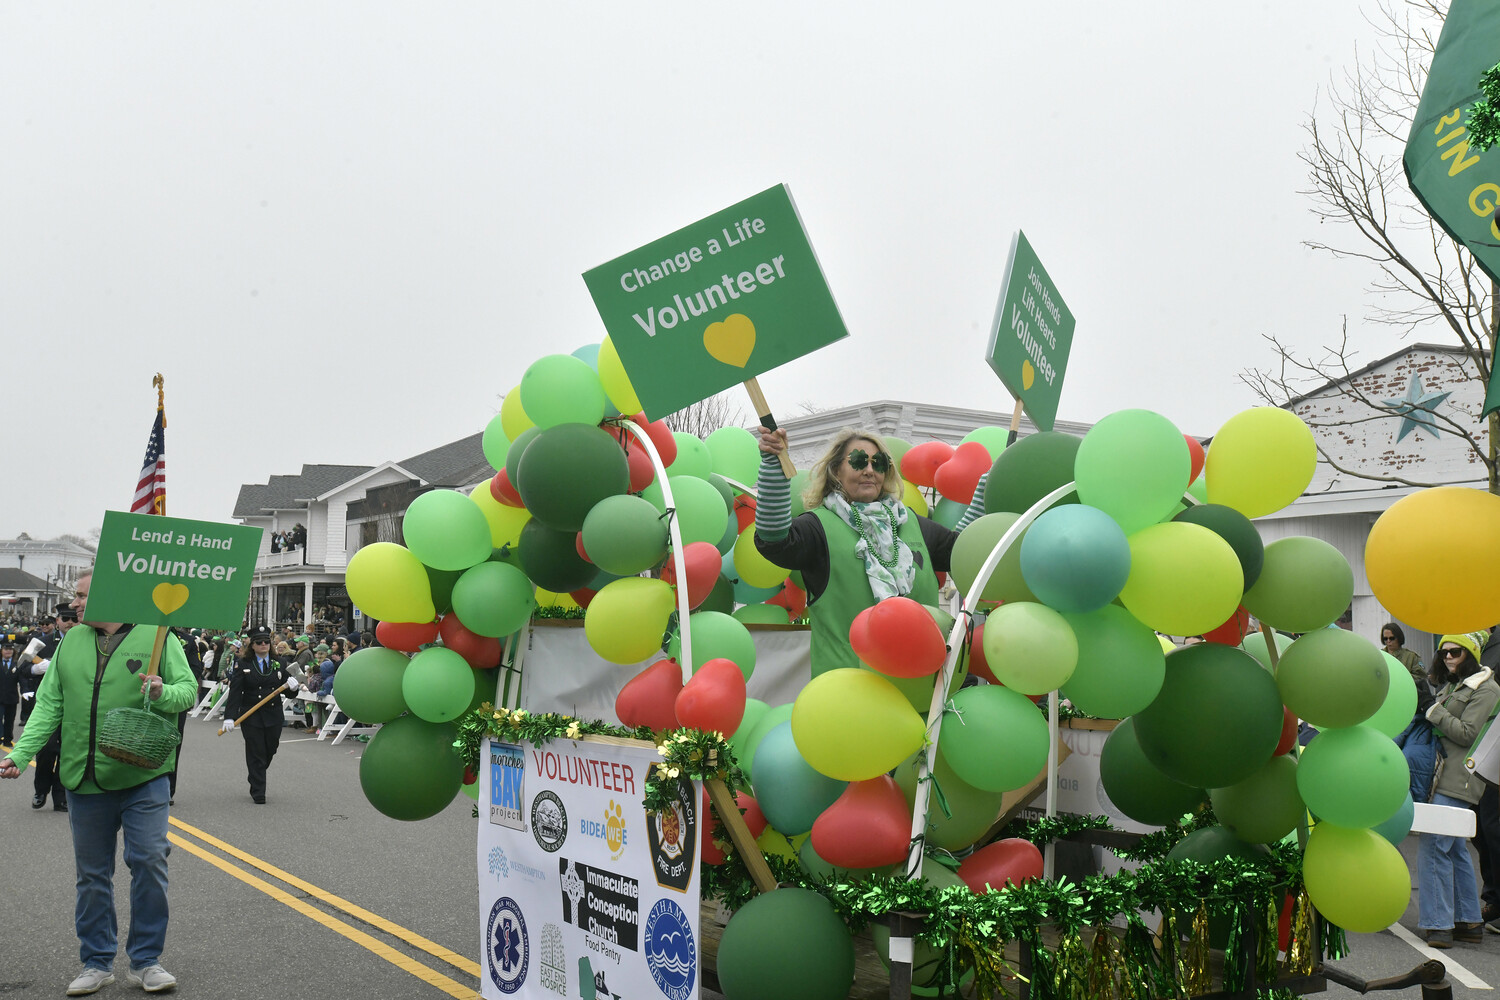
(506, 947)
(507, 786)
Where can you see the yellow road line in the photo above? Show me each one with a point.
(428, 975)
(412, 938)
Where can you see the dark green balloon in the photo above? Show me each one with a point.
(1236, 529)
(566, 470)
(441, 581)
(1217, 719)
(1136, 787)
(721, 598)
(517, 449)
(786, 945)
(410, 770)
(1210, 844)
(551, 558)
(1030, 469)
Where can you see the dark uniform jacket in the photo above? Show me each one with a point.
(10, 674)
(248, 685)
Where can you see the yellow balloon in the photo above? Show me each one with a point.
(627, 618)
(1167, 645)
(505, 521)
(1431, 559)
(616, 383)
(513, 418)
(911, 495)
(755, 569)
(1260, 461)
(854, 725)
(388, 583)
(1356, 878)
(773, 841)
(547, 599)
(1184, 579)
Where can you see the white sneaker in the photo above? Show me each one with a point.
(152, 979)
(90, 981)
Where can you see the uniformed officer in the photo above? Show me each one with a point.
(256, 675)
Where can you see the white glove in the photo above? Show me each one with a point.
(228, 726)
(29, 696)
(292, 685)
(39, 667)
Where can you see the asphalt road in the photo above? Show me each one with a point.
(317, 894)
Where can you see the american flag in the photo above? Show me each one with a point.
(151, 491)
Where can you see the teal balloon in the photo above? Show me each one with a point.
(1265, 806)
(446, 530)
(693, 458)
(743, 592)
(1304, 584)
(517, 449)
(494, 443)
(1121, 665)
(735, 454)
(1333, 678)
(561, 389)
(1075, 558)
(791, 794)
(716, 635)
(947, 512)
(786, 945)
(1400, 705)
(1136, 787)
(1354, 777)
(1030, 469)
(762, 614)
(1001, 741)
(625, 535)
(441, 582)
(566, 470)
(1217, 719)
(551, 558)
(755, 710)
(1398, 826)
(1133, 465)
(368, 684)
(493, 599)
(1255, 644)
(438, 684)
(749, 738)
(1236, 529)
(410, 770)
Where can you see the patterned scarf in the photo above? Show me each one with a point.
(888, 560)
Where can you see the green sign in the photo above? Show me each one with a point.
(1458, 185)
(1032, 334)
(716, 303)
(154, 570)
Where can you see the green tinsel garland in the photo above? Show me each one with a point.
(1483, 120)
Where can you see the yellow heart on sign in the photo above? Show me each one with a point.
(168, 597)
(731, 341)
(1028, 374)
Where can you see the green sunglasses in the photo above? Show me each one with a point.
(880, 461)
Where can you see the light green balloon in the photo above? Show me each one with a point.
(493, 599)
(750, 741)
(993, 439)
(1002, 741)
(1121, 665)
(625, 535)
(716, 635)
(735, 454)
(1333, 678)
(494, 443)
(1304, 584)
(1265, 806)
(438, 684)
(1133, 465)
(693, 458)
(1354, 777)
(446, 530)
(1255, 645)
(562, 389)
(762, 614)
(971, 811)
(1030, 647)
(1400, 704)
(973, 547)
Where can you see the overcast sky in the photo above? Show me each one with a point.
(341, 231)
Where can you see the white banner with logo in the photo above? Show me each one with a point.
(577, 884)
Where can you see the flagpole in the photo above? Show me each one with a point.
(161, 408)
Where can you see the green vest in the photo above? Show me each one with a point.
(849, 590)
(76, 667)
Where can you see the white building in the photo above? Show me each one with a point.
(56, 563)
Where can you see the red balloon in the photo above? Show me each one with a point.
(650, 697)
(1288, 732)
(749, 809)
(1284, 924)
(1232, 632)
(583, 596)
(408, 637)
(991, 866)
(1195, 455)
(709, 851)
(578, 544)
(703, 566)
(868, 826)
(957, 477)
(900, 639)
(744, 510)
(793, 598)
(713, 699)
(503, 492)
(920, 464)
(479, 651)
(642, 474)
(661, 436)
(977, 662)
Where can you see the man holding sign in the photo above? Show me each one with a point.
(97, 667)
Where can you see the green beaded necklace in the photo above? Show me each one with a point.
(859, 526)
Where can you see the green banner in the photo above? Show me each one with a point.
(1458, 185)
(716, 303)
(153, 570)
(1032, 334)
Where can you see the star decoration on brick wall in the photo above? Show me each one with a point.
(1416, 408)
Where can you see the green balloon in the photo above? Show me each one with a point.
(551, 558)
(561, 389)
(1265, 806)
(1236, 529)
(898, 447)
(410, 770)
(484, 688)
(1304, 584)
(1001, 742)
(1255, 645)
(625, 535)
(1121, 665)
(755, 710)
(735, 454)
(1354, 777)
(786, 945)
(1136, 787)
(1133, 465)
(517, 449)
(495, 443)
(790, 793)
(1333, 678)
(971, 811)
(1217, 719)
(1395, 713)
(693, 458)
(438, 684)
(973, 547)
(716, 635)
(927, 962)
(701, 514)
(368, 684)
(762, 614)
(721, 598)
(446, 530)
(1030, 469)
(993, 439)
(566, 470)
(1214, 843)
(493, 599)
(813, 863)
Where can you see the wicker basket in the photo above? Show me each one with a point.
(138, 736)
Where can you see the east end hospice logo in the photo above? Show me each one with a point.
(671, 952)
(611, 831)
(673, 836)
(507, 786)
(507, 948)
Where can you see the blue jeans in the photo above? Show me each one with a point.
(97, 819)
(1447, 890)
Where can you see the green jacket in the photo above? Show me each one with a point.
(76, 694)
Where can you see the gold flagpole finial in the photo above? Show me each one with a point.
(161, 395)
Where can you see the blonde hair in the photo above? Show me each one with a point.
(822, 477)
